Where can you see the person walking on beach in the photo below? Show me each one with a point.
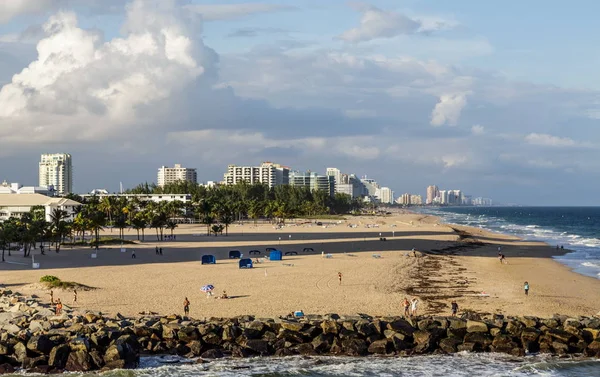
(156, 249)
(340, 277)
(413, 306)
(186, 307)
(160, 251)
(51, 297)
(502, 258)
(526, 288)
(406, 308)
(133, 254)
(59, 307)
(74, 296)
(454, 308)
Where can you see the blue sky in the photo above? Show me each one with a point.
(495, 98)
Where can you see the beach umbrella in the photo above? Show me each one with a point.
(207, 288)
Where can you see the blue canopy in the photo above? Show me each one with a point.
(209, 259)
(275, 255)
(235, 254)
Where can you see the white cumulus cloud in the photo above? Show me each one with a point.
(549, 140)
(377, 23)
(478, 129)
(448, 109)
(87, 88)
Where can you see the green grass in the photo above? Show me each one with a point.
(55, 283)
(101, 241)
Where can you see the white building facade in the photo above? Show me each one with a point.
(177, 173)
(267, 173)
(56, 170)
(15, 205)
(385, 195)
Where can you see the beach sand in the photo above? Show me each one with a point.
(377, 275)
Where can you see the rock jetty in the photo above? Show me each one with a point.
(32, 338)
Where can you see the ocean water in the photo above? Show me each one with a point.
(575, 228)
(467, 365)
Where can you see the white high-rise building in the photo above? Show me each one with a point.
(56, 170)
(267, 173)
(385, 195)
(176, 174)
(337, 177)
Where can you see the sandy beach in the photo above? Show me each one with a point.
(376, 275)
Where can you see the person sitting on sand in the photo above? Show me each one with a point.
(224, 295)
(59, 307)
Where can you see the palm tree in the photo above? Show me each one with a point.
(58, 226)
(120, 222)
(226, 217)
(108, 205)
(138, 223)
(170, 224)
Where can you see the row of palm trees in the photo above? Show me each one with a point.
(216, 207)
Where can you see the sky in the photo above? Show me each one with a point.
(498, 99)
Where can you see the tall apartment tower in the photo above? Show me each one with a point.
(267, 173)
(432, 193)
(56, 170)
(337, 177)
(175, 174)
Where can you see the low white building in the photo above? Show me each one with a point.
(157, 198)
(18, 204)
(17, 188)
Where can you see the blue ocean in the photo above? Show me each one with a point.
(575, 228)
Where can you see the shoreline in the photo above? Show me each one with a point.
(557, 256)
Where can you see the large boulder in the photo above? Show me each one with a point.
(41, 344)
(258, 346)
(322, 343)
(79, 361)
(476, 327)
(59, 355)
(19, 351)
(330, 327)
(354, 347)
(292, 325)
(424, 340)
(450, 345)
(187, 334)
(214, 353)
(401, 326)
(379, 347)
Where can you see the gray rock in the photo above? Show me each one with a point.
(79, 361)
(40, 344)
(59, 355)
(476, 327)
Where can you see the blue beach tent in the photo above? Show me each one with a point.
(235, 254)
(275, 255)
(246, 263)
(269, 249)
(209, 259)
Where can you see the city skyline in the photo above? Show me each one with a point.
(420, 91)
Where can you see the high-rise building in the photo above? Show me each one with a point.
(385, 195)
(432, 193)
(350, 185)
(337, 176)
(313, 181)
(176, 174)
(56, 171)
(267, 173)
